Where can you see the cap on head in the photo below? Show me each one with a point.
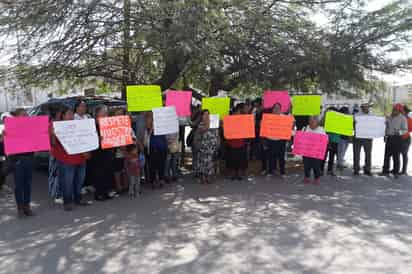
(398, 107)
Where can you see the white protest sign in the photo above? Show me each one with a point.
(165, 121)
(369, 127)
(214, 121)
(77, 136)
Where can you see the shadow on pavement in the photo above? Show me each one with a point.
(345, 225)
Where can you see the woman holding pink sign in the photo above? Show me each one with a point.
(23, 173)
(277, 150)
(310, 164)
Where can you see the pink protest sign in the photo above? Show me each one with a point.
(312, 145)
(181, 100)
(26, 134)
(272, 97)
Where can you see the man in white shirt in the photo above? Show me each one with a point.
(396, 126)
(366, 144)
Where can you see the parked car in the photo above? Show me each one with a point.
(91, 101)
(42, 158)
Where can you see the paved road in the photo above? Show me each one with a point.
(345, 225)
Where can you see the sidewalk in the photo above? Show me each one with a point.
(345, 225)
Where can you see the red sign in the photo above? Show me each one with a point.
(115, 131)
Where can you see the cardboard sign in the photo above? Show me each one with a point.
(272, 97)
(306, 105)
(181, 100)
(115, 131)
(77, 136)
(26, 134)
(312, 145)
(277, 126)
(239, 126)
(143, 98)
(369, 127)
(214, 121)
(165, 121)
(339, 123)
(217, 105)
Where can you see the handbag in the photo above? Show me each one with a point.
(190, 138)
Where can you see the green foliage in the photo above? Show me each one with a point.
(241, 46)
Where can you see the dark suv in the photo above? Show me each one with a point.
(91, 101)
(42, 158)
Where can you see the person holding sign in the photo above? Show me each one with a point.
(71, 168)
(276, 150)
(23, 173)
(365, 143)
(310, 164)
(192, 139)
(332, 150)
(80, 111)
(406, 142)
(396, 126)
(156, 148)
(207, 145)
(236, 152)
(101, 164)
(343, 143)
(53, 180)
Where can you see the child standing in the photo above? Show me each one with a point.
(133, 165)
(172, 159)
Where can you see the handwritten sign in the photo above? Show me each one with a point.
(311, 145)
(26, 134)
(306, 105)
(115, 131)
(272, 97)
(277, 126)
(217, 105)
(165, 121)
(77, 136)
(369, 127)
(143, 98)
(181, 100)
(339, 123)
(239, 126)
(214, 121)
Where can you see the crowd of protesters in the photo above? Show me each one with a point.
(156, 160)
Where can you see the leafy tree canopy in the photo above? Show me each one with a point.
(209, 44)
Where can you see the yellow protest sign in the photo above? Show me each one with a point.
(143, 98)
(306, 105)
(339, 123)
(217, 105)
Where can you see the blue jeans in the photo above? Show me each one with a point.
(23, 174)
(342, 148)
(171, 165)
(71, 178)
(54, 187)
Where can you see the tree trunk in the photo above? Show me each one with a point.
(126, 47)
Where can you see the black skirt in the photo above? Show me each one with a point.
(236, 158)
